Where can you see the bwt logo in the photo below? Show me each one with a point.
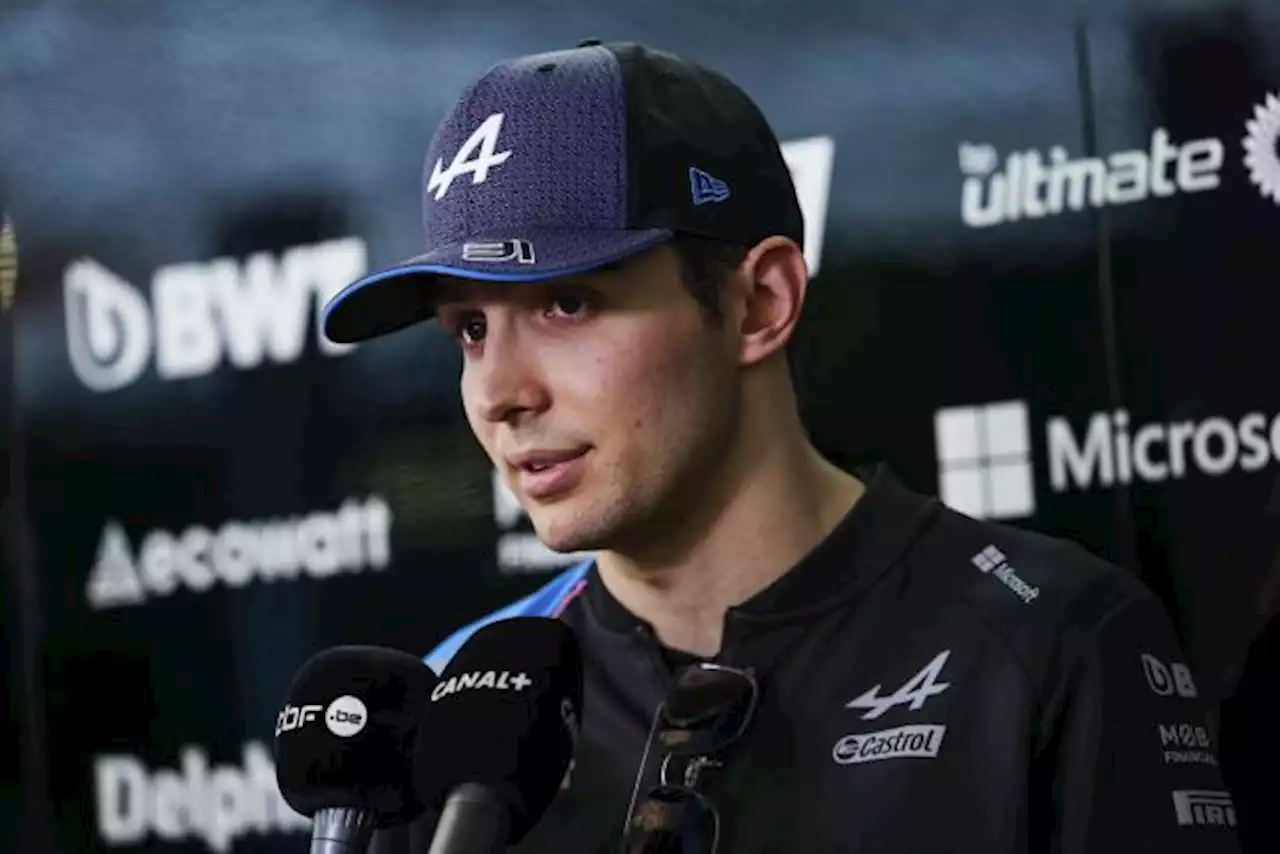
(986, 468)
(204, 313)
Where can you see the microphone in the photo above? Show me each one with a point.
(344, 743)
(498, 735)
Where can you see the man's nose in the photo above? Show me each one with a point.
(507, 382)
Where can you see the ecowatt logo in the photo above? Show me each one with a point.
(352, 538)
(986, 467)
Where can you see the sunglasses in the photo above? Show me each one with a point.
(704, 714)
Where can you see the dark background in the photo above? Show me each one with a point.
(148, 135)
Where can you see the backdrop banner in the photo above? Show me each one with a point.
(1041, 248)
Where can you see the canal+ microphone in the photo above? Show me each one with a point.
(498, 734)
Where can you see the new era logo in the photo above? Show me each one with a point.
(706, 188)
(984, 460)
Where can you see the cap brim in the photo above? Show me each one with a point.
(403, 295)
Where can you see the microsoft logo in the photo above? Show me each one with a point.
(985, 467)
(984, 460)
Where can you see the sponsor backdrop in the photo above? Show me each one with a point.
(1043, 290)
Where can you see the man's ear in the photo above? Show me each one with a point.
(774, 280)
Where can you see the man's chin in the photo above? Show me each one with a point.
(566, 539)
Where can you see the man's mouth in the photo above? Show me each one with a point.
(541, 460)
(547, 473)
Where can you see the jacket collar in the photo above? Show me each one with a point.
(867, 542)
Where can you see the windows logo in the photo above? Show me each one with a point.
(984, 460)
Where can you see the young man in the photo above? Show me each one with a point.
(614, 239)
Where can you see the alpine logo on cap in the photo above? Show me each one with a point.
(706, 188)
(484, 138)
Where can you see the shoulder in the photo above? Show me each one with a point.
(1031, 589)
(547, 601)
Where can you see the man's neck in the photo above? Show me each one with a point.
(789, 502)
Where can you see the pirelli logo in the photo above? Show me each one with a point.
(1204, 807)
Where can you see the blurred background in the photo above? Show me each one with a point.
(1043, 236)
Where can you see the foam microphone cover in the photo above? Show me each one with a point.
(345, 735)
(506, 715)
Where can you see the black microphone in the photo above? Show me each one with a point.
(344, 743)
(498, 735)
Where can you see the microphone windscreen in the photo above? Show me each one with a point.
(346, 733)
(506, 714)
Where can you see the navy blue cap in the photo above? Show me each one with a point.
(562, 162)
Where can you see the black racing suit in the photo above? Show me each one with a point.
(930, 683)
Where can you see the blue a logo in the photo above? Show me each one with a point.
(706, 188)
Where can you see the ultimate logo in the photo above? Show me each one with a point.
(8, 263)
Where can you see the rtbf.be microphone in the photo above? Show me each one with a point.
(498, 733)
(344, 743)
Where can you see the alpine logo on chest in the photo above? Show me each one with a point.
(916, 740)
(913, 693)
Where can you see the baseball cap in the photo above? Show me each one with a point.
(562, 162)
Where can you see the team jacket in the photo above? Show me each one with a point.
(930, 683)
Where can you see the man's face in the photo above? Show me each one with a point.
(601, 399)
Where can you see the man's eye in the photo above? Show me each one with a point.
(471, 330)
(569, 305)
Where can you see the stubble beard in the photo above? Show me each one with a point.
(668, 505)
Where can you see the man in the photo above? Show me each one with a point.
(615, 241)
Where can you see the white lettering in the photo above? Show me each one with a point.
(1107, 454)
(120, 786)
(1257, 453)
(187, 342)
(1027, 188)
(476, 679)
(204, 312)
(295, 717)
(217, 805)
(1083, 465)
(921, 741)
(263, 309)
(354, 538)
(1204, 807)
